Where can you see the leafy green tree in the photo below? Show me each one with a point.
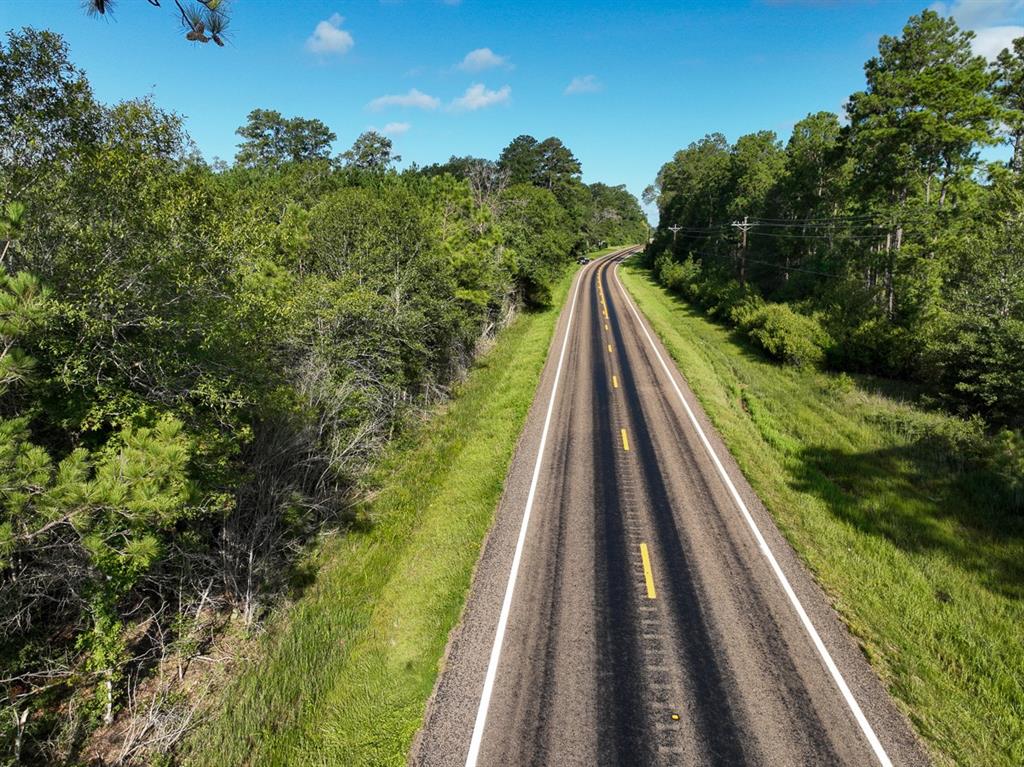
(371, 152)
(815, 172)
(977, 352)
(558, 165)
(693, 190)
(269, 139)
(217, 356)
(540, 235)
(758, 162)
(616, 216)
(46, 110)
(926, 110)
(1009, 90)
(460, 167)
(522, 160)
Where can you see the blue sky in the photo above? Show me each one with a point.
(466, 77)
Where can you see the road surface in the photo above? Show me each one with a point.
(634, 604)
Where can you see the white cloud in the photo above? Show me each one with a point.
(975, 14)
(329, 37)
(413, 98)
(478, 97)
(584, 84)
(990, 41)
(396, 129)
(996, 23)
(481, 59)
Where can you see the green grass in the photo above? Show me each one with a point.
(910, 542)
(345, 673)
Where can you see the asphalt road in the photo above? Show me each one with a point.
(634, 603)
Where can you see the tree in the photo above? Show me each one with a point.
(977, 352)
(541, 236)
(558, 165)
(269, 139)
(814, 167)
(693, 190)
(926, 109)
(522, 160)
(371, 152)
(46, 109)
(615, 215)
(1009, 90)
(757, 165)
(204, 20)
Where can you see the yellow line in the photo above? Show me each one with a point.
(625, 440)
(615, 382)
(648, 573)
(606, 326)
(609, 347)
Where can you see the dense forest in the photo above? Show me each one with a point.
(199, 360)
(881, 243)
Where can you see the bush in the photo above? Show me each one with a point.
(680, 277)
(718, 296)
(744, 311)
(1008, 463)
(793, 338)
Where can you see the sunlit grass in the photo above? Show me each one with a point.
(346, 672)
(912, 545)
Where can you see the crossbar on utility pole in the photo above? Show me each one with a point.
(744, 226)
(675, 230)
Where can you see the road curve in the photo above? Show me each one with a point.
(634, 603)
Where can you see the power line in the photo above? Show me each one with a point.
(779, 267)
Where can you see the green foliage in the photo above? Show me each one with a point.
(1009, 91)
(786, 335)
(884, 246)
(198, 366)
(926, 109)
(540, 238)
(889, 504)
(268, 140)
(371, 152)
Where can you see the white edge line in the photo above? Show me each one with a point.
(830, 664)
(506, 606)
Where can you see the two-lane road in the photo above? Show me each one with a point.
(634, 603)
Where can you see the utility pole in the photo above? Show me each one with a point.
(675, 230)
(744, 227)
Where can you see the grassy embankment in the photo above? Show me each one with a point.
(346, 671)
(903, 536)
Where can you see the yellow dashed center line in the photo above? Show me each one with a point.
(648, 573)
(625, 440)
(609, 348)
(606, 326)
(615, 382)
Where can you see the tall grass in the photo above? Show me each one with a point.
(916, 543)
(343, 677)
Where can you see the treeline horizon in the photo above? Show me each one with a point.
(881, 245)
(199, 364)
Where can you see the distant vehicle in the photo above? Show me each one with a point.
(582, 260)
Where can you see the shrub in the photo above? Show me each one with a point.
(793, 338)
(680, 277)
(719, 296)
(743, 312)
(1008, 464)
